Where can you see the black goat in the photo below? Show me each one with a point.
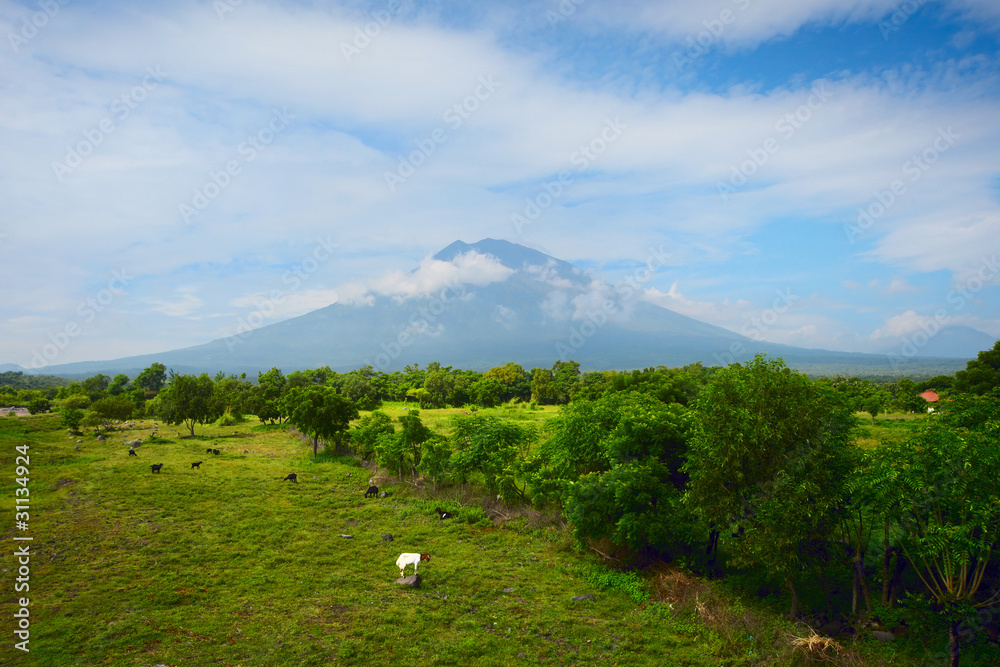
(131, 452)
(208, 451)
(444, 515)
(196, 464)
(156, 467)
(372, 492)
(215, 451)
(291, 478)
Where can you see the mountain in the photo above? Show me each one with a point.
(480, 305)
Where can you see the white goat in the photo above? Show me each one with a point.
(410, 559)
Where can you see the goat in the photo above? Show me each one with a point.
(208, 451)
(196, 464)
(215, 451)
(444, 515)
(410, 559)
(131, 452)
(372, 492)
(156, 467)
(291, 477)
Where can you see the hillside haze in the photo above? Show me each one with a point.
(481, 305)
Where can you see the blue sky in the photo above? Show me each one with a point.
(167, 167)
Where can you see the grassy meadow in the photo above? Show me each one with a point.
(230, 565)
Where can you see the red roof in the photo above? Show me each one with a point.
(929, 396)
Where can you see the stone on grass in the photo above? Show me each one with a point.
(387, 537)
(413, 581)
(588, 596)
(883, 636)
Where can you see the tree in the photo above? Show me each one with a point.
(119, 384)
(366, 434)
(982, 374)
(635, 498)
(188, 400)
(940, 489)
(490, 446)
(770, 460)
(152, 379)
(319, 412)
(113, 408)
(71, 418)
(96, 386)
(270, 389)
(513, 379)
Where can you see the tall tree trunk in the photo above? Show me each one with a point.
(953, 643)
(315, 445)
(794, 612)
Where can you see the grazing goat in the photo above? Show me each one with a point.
(372, 492)
(291, 477)
(156, 467)
(208, 451)
(410, 559)
(215, 451)
(196, 464)
(444, 515)
(131, 452)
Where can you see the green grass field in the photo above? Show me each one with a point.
(229, 565)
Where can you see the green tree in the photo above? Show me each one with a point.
(96, 386)
(982, 374)
(771, 458)
(514, 381)
(151, 379)
(113, 408)
(271, 387)
(187, 400)
(119, 384)
(366, 434)
(71, 418)
(490, 446)
(940, 489)
(320, 412)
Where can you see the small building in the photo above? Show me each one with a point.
(930, 397)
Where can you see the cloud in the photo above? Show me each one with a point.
(187, 304)
(900, 325)
(433, 276)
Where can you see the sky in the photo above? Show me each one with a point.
(167, 169)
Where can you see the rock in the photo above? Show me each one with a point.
(883, 636)
(347, 537)
(831, 628)
(508, 590)
(387, 537)
(588, 596)
(413, 581)
(79, 441)
(384, 494)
